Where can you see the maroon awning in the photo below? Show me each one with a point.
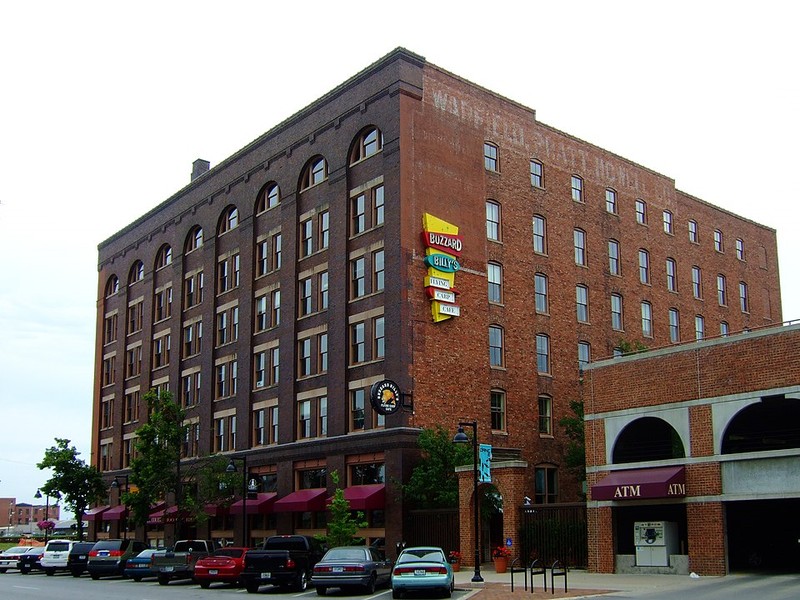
(638, 484)
(93, 514)
(116, 514)
(155, 518)
(261, 505)
(216, 510)
(302, 500)
(365, 497)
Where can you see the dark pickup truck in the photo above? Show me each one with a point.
(178, 563)
(283, 560)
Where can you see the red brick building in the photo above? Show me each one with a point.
(274, 290)
(22, 513)
(703, 435)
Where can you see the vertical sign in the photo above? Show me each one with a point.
(442, 248)
(485, 463)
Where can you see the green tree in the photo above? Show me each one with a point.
(342, 525)
(433, 482)
(208, 482)
(575, 456)
(156, 469)
(79, 484)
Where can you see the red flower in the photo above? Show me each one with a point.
(501, 552)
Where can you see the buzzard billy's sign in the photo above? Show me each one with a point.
(443, 246)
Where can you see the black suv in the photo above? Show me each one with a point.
(78, 558)
(108, 557)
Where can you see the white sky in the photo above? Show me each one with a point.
(104, 106)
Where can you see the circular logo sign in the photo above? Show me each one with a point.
(385, 397)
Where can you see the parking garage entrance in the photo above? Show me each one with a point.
(763, 535)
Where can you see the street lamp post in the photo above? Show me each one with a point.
(462, 438)
(46, 512)
(231, 468)
(115, 485)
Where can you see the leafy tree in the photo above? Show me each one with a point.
(156, 469)
(575, 456)
(211, 484)
(80, 485)
(633, 347)
(342, 525)
(433, 482)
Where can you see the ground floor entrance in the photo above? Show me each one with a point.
(763, 535)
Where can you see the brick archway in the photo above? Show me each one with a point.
(509, 479)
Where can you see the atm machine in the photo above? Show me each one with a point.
(655, 541)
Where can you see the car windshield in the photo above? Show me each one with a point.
(108, 545)
(232, 552)
(424, 555)
(37, 550)
(345, 554)
(57, 546)
(17, 550)
(146, 553)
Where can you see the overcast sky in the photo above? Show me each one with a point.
(104, 106)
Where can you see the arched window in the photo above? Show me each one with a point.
(195, 239)
(645, 439)
(268, 197)
(164, 257)
(369, 142)
(767, 425)
(315, 172)
(137, 272)
(112, 286)
(229, 219)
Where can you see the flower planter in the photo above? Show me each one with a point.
(500, 564)
(456, 566)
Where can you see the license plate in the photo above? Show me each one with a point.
(82, 557)
(213, 571)
(338, 570)
(266, 575)
(169, 569)
(419, 571)
(102, 553)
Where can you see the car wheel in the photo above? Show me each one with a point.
(3, 570)
(397, 594)
(321, 590)
(163, 580)
(302, 582)
(252, 588)
(370, 587)
(447, 592)
(76, 573)
(24, 570)
(49, 572)
(136, 578)
(205, 584)
(95, 576)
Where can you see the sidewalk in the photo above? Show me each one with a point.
(580, 584)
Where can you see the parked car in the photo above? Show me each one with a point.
(179, 562)
(422, 568)
(141, 565)
(78, 557)
(108, 557)
(283, 560)
(351, 566)
(225, 566)
(31, 560)
(55, 556)
(10, 557)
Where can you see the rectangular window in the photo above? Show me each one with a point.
(262, 314)
(693, 232)
(697, 282)
(545, 415)
(613, 257)
(540, 291)
(357, 343)
(305, 297)
(611, 201)
(494, 276)
(647, 319)
(106, 413)
(722, 295)
(723, 329)
(260, 372)
(227, 326)
(718, 246)
(674, 326)
(133, 361)
(616, 312)
(135, 312)
(322, 350)
(546, 485)
(162, 304)
(192, 339)
(740, 249)
(641, 212)
(644, 266)
(193, 290)
(359, 214)
(495, 346)
(584, 354)
(306, 238)
(667, 218)
(262, 258)
(110, 329)
(304, 357)
(537, 174)
(539, 235)
(228, 273)
(106, 456)
(130, 407)
(277, 251)
(490, 157)
(356, 410)
(226, 379)
(274, 356)
(699, 327)
(577, 188)
(324, 225)
(672, 280)
(493, 221)
(744, 303)
(582, 303)
(498, 410)
(322, 286)
(260, 430)
(379, 339)
(273, 425)
(378, 206)
(225, 434)
(357, 279)
(322, 416)
(161, 348)
(579, 242)
(542, 353)
(190, 389)
(304, 419)
(377, 271)
(275, 308)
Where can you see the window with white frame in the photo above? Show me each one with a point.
(641, 212)
(498, 410)
(540, 292)
(494, 275)
(539, 234)
(674, 326)
(492, 220)
(542, 353)
(577, 188)
(740, 248)
(579, 243)
(722, 293)
(611, 201)
(616, 312)
(723, 328)
(613, 257)
(744, 302)
(644, 266)
(496, 346)
(672, 278)
(545, 414)
(584, 354)
(647, 319)
(693, 236)
(537, 174)
(490, 157)
(699, 327)
(667, 219)
(697, 282)
(718, 242)
(582, 303)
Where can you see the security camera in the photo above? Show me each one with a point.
(526, 501)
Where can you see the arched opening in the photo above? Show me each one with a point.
(646, 439)
(772, 424)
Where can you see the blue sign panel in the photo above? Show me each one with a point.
(485, 459)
